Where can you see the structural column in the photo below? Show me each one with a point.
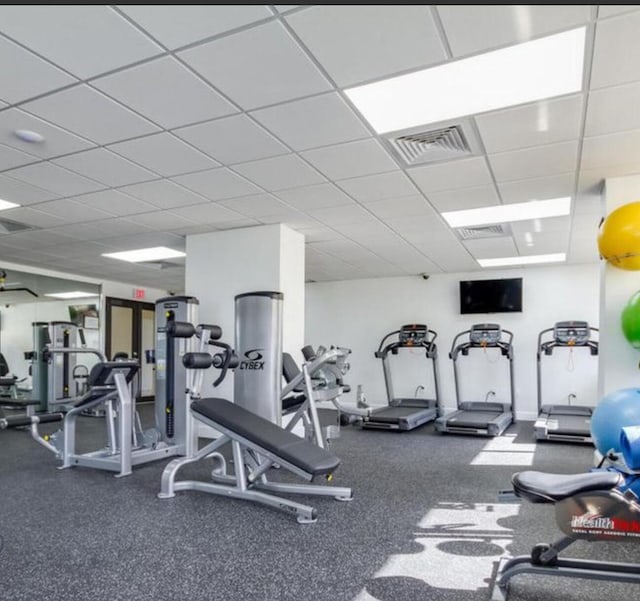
(220, 265)
(618, 360)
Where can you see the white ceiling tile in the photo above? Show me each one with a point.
(261, 66)
(341, 215)
(543, 243)
(106, 167)
(358, 43)
(163, 194)
(23, 193)
(608, 10)
(145, 239)
(260, 205)
(176, 26)
(289, 217)
(422, 225)
(452, 258)
(549, 225)
(161, 220)
(488, 248)
(209, 212)
(235, 139)
(538, 188)
(165, 92)
(33, 217)
(612, 109)
(405, 206)
(313, 122)
(217, 184)
(73, 211)
(283, 8)
(476, 28)
(466, 173)
(616, 54)
(539, 161)
(279, 173)
(318, 234)
(109, 228)
(314, 197)
(165, 154)
(381, 186)
(611, 150)
(15, 62)
(56, 140)
(114, 203)
(38, 239)
(78, 38)
(465, 198)
(77, 110)
(367, 232)
(543, 122)
(10, 158)
(80, 231)
(353, 159)
(54, 178)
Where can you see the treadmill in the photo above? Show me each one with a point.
(405, 413)
(566, 423)
(480, 418)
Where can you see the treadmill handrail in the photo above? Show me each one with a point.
(503, 344)
(428, 343)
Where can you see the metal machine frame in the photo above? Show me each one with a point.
(480, 418)
(565, 423)
(405, 413)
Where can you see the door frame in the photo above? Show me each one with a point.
(136, 335)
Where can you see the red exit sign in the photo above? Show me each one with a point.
(138, 293)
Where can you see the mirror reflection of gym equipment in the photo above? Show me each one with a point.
(489, 417)
(567, 422)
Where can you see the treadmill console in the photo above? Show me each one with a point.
(485, 334)
(413, 335)
(571, 333)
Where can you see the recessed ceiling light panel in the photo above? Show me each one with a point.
(524, 260)
(140, 255)
(518, 211)
(68, 295)
(543, 68)
(5, 204)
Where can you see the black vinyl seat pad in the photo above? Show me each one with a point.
(542, 487)
(267, 435)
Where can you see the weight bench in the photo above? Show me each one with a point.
(258, 445)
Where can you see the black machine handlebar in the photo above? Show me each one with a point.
(547, 346)
(428, 342)
(505, 346)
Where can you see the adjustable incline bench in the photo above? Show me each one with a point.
(258, 445)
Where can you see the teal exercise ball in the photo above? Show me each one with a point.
(615, 411)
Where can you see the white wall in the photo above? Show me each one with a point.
(358, 313)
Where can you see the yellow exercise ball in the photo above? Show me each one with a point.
(619, 237)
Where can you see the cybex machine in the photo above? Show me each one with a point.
(406, 413)
(564, 422)
(486, 418)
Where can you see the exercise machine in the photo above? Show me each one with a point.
(320, 380)
(257, 446)
(595, 506)
(128, 444)
(564, 422)
(485, 418)
(406, 413)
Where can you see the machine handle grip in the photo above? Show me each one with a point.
(16, 421)
(215, 332)
(83, 340)
(229, 361)
(308, 353)
(180, 329)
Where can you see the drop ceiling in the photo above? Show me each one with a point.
(165, 121)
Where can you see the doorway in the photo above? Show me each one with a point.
(130, 329)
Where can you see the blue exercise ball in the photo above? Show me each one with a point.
(615, 411)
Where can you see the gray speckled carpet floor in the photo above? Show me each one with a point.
(424, 525)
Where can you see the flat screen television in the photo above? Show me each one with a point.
(491, 296)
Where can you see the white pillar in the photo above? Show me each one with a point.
(220, 265)
(618, 364)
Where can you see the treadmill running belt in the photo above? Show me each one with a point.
(568, 424)
(392, 415)
(472, 419)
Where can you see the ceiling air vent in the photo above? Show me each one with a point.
(482, 231)
(9, 227)
(445, 142)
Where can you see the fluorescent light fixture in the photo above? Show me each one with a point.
(518, 211)
(525, 260)
(543, 68)
(156, 253)
(5, 204)
(76, 294)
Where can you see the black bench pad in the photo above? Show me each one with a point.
(267, 435)
(540, 487)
